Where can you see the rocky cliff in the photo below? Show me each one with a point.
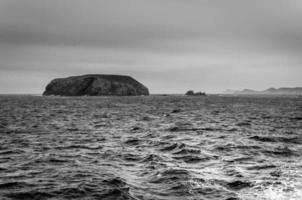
(96, 85)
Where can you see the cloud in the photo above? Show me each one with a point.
(139, 23)
(167, 40)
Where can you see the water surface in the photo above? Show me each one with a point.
(156, 147)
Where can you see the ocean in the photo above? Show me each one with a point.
(150, 148)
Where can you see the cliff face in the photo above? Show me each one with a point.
(96, 85)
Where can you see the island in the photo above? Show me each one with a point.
(96, 85)
(192, 93)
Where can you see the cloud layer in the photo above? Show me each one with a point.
(170, 45)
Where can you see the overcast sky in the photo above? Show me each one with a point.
(170, 46)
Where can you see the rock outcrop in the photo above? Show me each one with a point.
(96, 85)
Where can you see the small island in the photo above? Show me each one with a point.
(96, 85)
(192, 93)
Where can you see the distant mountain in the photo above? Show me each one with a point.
(269, 91)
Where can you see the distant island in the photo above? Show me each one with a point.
(192, 93)
(270, 91)
(96, 85)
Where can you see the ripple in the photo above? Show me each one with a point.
(14, 185)
(152, 148)
(170, 176)
(192, 158)
(173, 146)
(281, 151)
(294, 140)
(238, 185)
(188, 151)
(30, 195)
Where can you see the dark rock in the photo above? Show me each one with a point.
(96, 85)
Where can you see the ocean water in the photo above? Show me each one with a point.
(156, 147)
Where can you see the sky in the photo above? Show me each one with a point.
(170, 46)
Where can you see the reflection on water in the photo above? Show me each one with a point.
(156, 147)
(286, 187)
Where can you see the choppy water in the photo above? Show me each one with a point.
(156, 147)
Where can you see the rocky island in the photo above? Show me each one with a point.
(96, 85)
(192, 93)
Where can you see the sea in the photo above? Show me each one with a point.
(151, 148)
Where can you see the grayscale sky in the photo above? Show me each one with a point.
(168, 45)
